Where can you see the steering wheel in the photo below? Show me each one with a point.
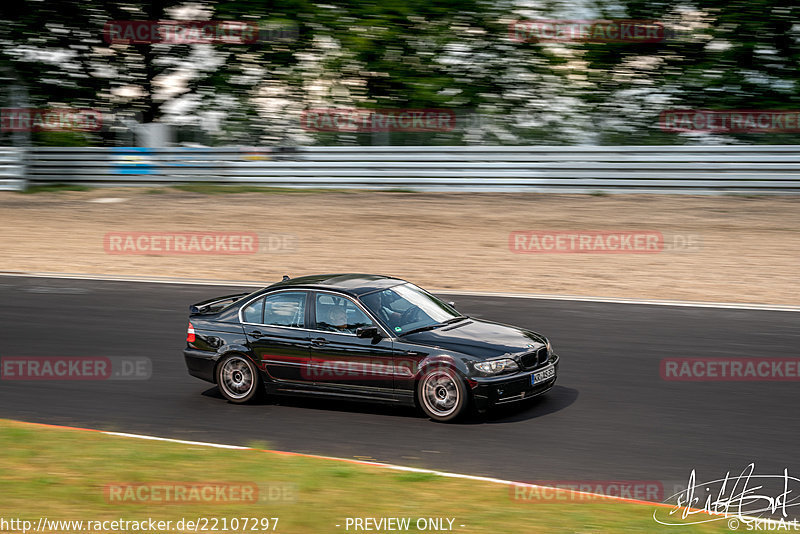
(410, 315)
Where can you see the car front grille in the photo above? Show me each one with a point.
(534, 358)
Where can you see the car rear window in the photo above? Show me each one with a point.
(285, 309)
(254, 312)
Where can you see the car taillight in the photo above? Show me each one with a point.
(190, 334)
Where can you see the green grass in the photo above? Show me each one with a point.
(55, 188)
(61, 474)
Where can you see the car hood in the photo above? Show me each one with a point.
(481, 339)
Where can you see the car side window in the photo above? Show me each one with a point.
(339, 314)
(285, 309)
(254, 312)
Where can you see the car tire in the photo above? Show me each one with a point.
(442, 394)
(238, 379)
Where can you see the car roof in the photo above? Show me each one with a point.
(350, 283)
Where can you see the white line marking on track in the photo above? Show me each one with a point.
(171, 440)
(446, 474)
(393, 467)
(614, 300)
(535, 296)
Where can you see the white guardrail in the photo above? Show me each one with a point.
(574, 169)
(12, 169)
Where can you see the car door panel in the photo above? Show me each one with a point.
(282, 352)
(347, 362)
(275, 326)
(340, 360)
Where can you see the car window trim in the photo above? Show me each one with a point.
(416, 286)
(264, 296)
(249, 303)
(308, 293)
(354, 301)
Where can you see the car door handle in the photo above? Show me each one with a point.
(319, 341)
(255, 333)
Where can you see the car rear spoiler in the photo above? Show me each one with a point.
(214, 305)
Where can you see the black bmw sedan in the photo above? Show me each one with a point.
(364, 337)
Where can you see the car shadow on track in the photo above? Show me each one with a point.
(556, 399)
(325, 404)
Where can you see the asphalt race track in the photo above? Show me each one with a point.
(610, 417)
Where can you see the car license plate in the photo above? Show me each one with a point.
(545, 374)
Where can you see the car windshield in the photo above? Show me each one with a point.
(406, 307)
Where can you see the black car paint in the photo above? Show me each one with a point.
(285, 356)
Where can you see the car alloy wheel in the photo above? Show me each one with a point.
(441, 394)
(238, 379)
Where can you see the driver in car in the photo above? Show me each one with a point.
(338, 319)
(391, 317)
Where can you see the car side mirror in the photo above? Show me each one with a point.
(452, 304)
(367, 331)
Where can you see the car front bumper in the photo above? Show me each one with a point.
(492, 391)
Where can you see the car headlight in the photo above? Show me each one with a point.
(549, 348)
(494, 367)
